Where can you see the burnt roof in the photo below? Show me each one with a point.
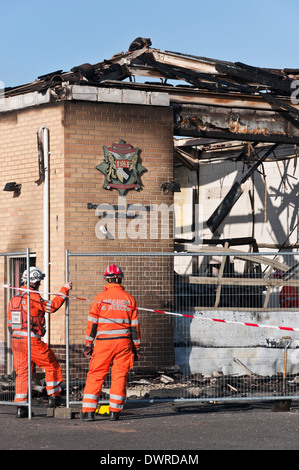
(211, 98)
(199, 73)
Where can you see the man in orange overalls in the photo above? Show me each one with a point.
(41, 354)
(113, 322)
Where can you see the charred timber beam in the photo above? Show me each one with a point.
(226, 135)
(272, 82)
(254, 74)
(293, 114)
(233, 242)
(185, 60)
(193, 77)
(234, 194)
(175, 73)
(217, 84)
(185, 158)
(224, 122)
(268, 78)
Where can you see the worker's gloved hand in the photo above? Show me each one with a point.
(87, 351)
(136, 356)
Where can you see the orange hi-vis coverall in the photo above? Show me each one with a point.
(115, 326)
(41, 354)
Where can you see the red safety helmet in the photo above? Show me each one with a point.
(113, 272)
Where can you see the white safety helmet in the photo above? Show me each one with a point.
(35, 275)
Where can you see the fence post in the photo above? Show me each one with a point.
(29, 334)
(67, 352)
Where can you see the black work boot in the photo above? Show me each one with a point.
(88, 416)
(22, 412)
(54, 401)
(114, 416)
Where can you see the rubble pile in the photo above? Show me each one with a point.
(216, 385)
(171, 384)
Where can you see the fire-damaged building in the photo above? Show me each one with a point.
(213, 141)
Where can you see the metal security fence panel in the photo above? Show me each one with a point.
(149, 279)
(215, 324)
(12, 265)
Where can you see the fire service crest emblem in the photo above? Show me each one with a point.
(121, 167)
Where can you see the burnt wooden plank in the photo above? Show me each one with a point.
(224, 207)
(257, 164)
(266, 77)
(277, 84)
(255, 75)
(193, 77)
(219, 85)
(227, 135)
(233, 195)
(282, 105)
(177, 74)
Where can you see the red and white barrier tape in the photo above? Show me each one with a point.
(196, 317)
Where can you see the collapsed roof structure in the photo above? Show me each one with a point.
(221, 109)
(212, 98)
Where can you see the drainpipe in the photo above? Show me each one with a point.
(43, 135)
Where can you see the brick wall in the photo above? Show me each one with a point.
(22, 217)
(78, 132)
(88, 127)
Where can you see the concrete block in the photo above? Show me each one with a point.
(85, 93)
(109, 95)
(64, 413)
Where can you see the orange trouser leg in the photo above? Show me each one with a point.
(98, 369)
(42, 356)
(45, 358)
(122, 363)
(117, 352)
(20, 354)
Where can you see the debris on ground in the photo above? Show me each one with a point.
(170, 383)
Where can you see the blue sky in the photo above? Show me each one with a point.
(40, 37)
